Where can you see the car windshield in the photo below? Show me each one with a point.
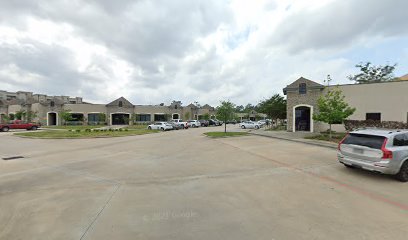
(371, 141)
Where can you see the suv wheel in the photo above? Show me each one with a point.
(403, 173)
(162, 129)
(150, 128)
(34, 128)
(256, 127)
(5, 129)
(243, 127)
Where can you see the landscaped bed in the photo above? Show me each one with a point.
(68, 127)
(87, 133)
(223, 134)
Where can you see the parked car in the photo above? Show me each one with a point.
(383, 151)
(160, 126)
(193, 123)
(231, 122)
(180, 122)
(204, 123)
(262, 123)
(250, 125)
(176, 126)
(18, 124)
(214, 122)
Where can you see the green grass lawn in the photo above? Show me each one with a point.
(223, 135)
(84, 134)
(336, 137)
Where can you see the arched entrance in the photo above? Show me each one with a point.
(176, 116)
(120, 118)
(52, 119)
(303, 118)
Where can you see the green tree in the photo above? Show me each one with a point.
(102, 117)
(239, 109)
(31, 115)
(20, 115)
(186, 116)
(274, 107)
(206, 116)
(332, 108)
(5, 118)
(248, 108)
(225, 112)
(371, 73)
(66, 116)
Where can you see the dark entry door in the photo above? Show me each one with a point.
(302, 119)
(52, 119)
(120, 119)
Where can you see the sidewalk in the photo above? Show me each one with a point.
(294, 137)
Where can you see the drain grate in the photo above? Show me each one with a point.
(12, 158)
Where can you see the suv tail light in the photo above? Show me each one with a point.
(387, 154)
(342, 140)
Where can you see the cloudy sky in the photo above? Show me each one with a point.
(153, 51)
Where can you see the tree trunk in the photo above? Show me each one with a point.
(330, 132)
(225, 126)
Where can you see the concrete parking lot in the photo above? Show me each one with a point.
(183, 185)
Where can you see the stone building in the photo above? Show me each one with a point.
(381, 101)
(47, 110)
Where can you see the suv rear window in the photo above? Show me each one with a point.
(371, 141)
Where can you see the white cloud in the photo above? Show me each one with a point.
(206, 50)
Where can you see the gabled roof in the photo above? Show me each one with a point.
(295, 85)
(125, 102)
(191, 105)
(207, 106)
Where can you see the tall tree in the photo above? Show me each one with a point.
(274, 107)
(186, 116)
(332, 108)
(371, 73)
(249, 107)
(226, 112)
(239, 109)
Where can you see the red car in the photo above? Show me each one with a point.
(18, 124)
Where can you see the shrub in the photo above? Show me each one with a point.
(78, 130)
(355, 124)
(126, 129)
(87, 130)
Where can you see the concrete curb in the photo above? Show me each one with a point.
(305, 141)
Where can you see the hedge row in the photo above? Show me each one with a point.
(355, 124)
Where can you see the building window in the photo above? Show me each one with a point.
(142, 117)
(52, 104)
(373, 116)
(120, 104)
(302, 88)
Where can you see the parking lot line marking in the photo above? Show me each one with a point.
(352, 188)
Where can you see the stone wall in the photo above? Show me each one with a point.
(294, 99)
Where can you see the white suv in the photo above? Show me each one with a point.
(193, 123)
(378, 150)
